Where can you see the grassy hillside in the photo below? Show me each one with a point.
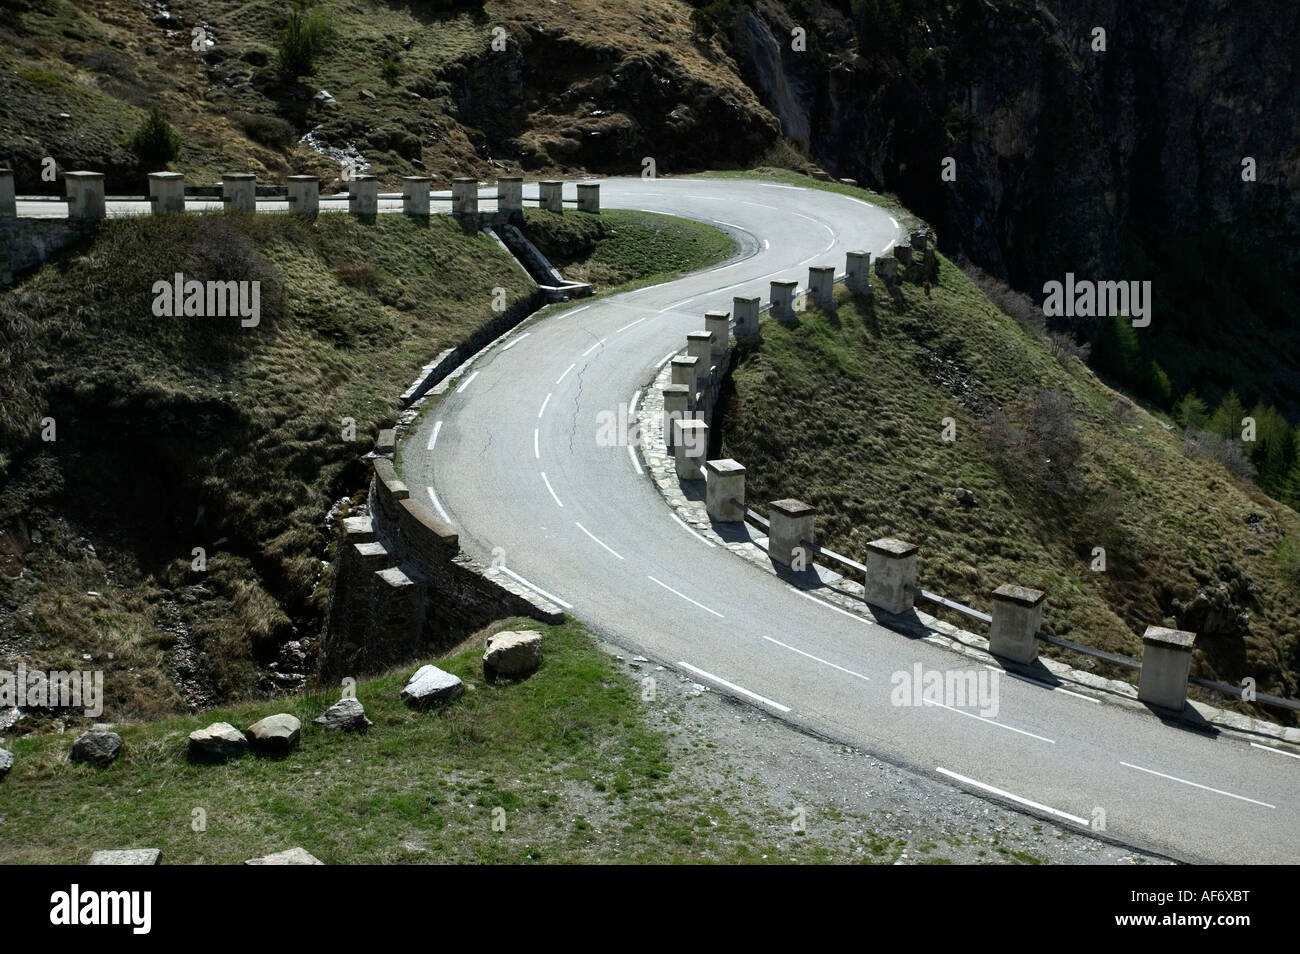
(397, 89)
(177, 433)
(846, 409)
(584, 770)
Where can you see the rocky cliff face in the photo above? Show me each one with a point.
(1061, 151)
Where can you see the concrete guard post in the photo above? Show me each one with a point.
(550, 195)
(1017, 617)
(85, 195)
(363, 195)
(415, 194)
(891, 572)
(8, 195)
(725, 496)
(1166, 664)
(858, 272)
(699, 345)
(790, 526)
(510, 194)
(589, 197)
(677, 407)
(783, 300)
(904, 254)
(464, 196)
(690, 447)
(683, 371)
(746, 310)
(821, 285)
(304, 194)
(167, 192)
(718, 324)
(239, 191)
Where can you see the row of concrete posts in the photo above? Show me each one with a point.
(889, 580)
(86, 200)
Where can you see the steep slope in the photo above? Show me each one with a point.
(847, 410)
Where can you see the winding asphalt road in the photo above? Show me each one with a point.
(511, 457)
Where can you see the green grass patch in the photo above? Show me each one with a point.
(565, 763)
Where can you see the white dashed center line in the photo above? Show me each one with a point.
(1000, 725)
(593, 537)
(542, 410)
(824, 662)
(552, 490)
(566, 373)
(687, 598)
(1204, 788)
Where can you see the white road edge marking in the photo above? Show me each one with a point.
(433, 438)
(566, 373)
(1000, 725)
(593, 536)
(842, 612)
(516, 341)
(437, 506)
(665, 360)
(542, 410)
(551, 489)
(685, 526)
(687, 598)
(824, 662)
(537, 451)
(594, 347)
(1042, 685)
(1216, 791)
(1269, 748)
(635, 463)
(535, 588)
(733, 687)
(631, 407)
(467, 382)
(1015, 798)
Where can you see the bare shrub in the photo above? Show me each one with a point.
(1229, 453)
(1064, 349)
(1016, 304)
(1044, 451)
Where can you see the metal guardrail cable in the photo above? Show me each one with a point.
(1230, 690)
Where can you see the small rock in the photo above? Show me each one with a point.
(97, 747)
(513, 654)
(275, 734)
(431, 686)
(346, 715)
(294, 856)
(126, 856)
(366, 94)
(6, 762)
(964, 497)
(217, 743)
